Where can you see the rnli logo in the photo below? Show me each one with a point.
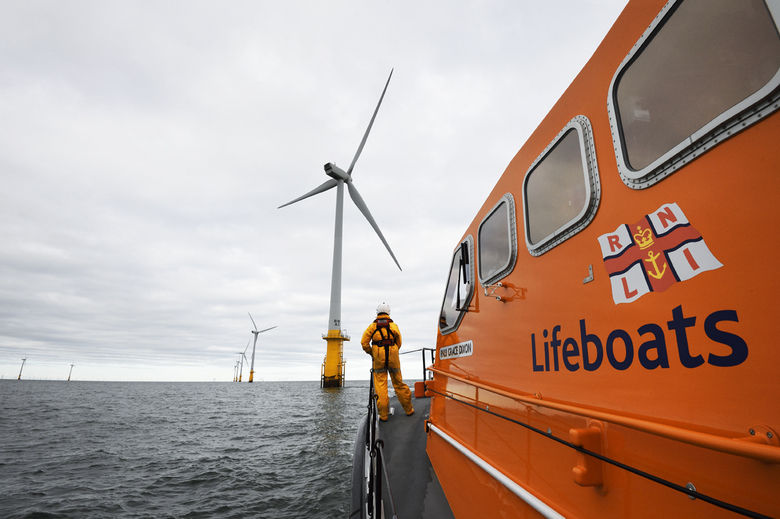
(653, 254)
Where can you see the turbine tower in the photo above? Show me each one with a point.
(20, 371)
(333, 367)
(256, 332)
(70, 372)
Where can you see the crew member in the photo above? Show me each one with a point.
(382, 340)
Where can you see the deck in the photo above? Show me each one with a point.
(417, 493)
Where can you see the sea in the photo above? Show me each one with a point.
(177, 450)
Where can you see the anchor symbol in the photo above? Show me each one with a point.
(656, 274)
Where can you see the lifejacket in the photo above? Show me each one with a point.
(386, 337)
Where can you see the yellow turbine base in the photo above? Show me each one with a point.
(251, 375)
(333, 367)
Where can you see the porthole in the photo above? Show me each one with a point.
(704, 70)
(497, 242)
(561, 190)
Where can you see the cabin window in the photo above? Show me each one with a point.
(460, 287)
(497, 241)
(703, 71)
(561, 189)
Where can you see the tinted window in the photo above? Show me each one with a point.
(705, 57)
(555, 189)
(497, 241)
(460, 287)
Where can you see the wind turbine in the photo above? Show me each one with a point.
(20, 371)
(242, 358)
(333, 367)
(256, 332)
(71, 371)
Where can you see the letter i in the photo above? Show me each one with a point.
(546, 353)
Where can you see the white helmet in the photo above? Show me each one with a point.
(383, 309)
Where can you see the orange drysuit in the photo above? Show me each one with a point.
(372, 342)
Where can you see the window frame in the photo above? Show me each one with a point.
(735, 119)
(469, 241)
(509, 266)
(581, 124)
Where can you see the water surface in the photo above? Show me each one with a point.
(176, 450)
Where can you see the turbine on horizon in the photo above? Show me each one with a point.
(242, 358)
(333, 367)
(70, 372)
(20, 370)
(256, 332)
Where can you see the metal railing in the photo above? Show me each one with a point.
(427, 375)
(377, 474)
(378, 490)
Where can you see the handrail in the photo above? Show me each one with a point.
(418, 349)
(690, 491)
(379, 446)
(423, 350)
(378, 471)
(736, 446)
(534, 502)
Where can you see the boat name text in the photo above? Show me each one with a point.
(652, 354)
(462, 349)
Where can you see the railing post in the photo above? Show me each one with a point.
(370, 434)
(422, 351)
(378, 470)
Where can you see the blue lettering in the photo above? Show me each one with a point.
(678, 324)
(590, 338)
(537, 367)
(554, 343)
(570, 349)
(652, 353)
(658, 344)
(629, 345)
(546, 353)
(739, 349)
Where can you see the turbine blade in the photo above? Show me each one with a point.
(271, 328)
(355, 196)
(328, 184)
(370, 124)
(247, 345)
(253, 321)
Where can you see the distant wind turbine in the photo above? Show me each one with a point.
(242, 358)
(20, 371)
(71, 371)
(334, 364)
(256, 332)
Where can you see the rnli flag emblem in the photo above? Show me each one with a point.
(653, 254)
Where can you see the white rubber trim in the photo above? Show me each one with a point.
(513, 487)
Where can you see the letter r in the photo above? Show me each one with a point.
(614, 242)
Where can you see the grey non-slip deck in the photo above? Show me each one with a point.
(416, 489)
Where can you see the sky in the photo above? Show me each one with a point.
(146, 146)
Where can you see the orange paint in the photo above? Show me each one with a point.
(683, 380)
